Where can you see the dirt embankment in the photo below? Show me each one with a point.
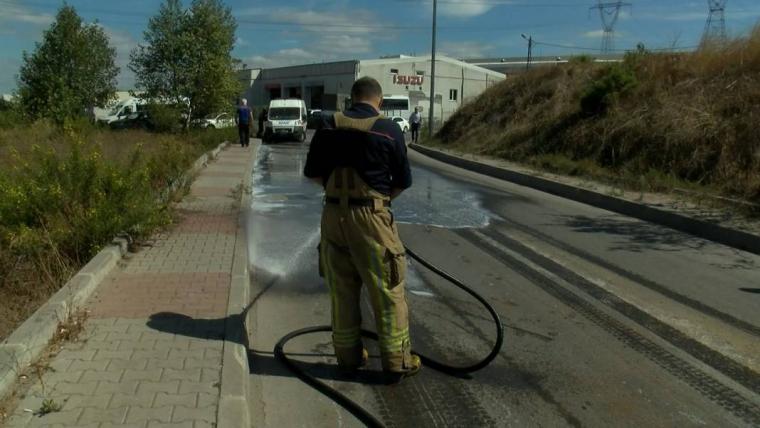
(654, 122)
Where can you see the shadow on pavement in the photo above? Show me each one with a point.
(260, 362)
(638, 236)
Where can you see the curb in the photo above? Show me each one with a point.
(30, 339)
(699, 228)
(233, 394)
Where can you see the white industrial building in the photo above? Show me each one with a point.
(327, 86)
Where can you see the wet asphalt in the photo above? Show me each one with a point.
(594, 305)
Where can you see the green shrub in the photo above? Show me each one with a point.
(165, 118)
(77, 201)
(608, 85)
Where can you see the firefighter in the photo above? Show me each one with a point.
(360, 159)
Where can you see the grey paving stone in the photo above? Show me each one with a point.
(76, 355)
(168, 387)
(65, 417)
(182, 414)
(184, 374)
(18, 420)
(113, 355)
(188, 400)
(59, 376)
(97, 366)
(158, 354)
(107, 376)
(114, 416)
(81, 388)
(123, 387)
(211, 375)
(134, 425)
(137, 345)
(144, 399)
(154, 424)
(140, 414)
(175, 364)
(99, 401)
(105, 345)
(200, 387)
(118, 364)
(205, 400)
(148, 374)
(192, 363)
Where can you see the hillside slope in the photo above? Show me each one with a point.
(653, 121)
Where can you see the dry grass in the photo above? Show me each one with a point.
(690, 121)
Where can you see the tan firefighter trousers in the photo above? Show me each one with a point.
(360, 245)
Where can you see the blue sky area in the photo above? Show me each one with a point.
(274, 33)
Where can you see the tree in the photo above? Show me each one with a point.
(70, 72)
(187, 58)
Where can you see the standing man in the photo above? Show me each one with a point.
(415, 120)
(244, 120)
(262, 119)
(360, 159)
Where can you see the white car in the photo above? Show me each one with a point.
(223, 120)
(402, 123)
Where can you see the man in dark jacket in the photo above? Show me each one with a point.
(360, 158)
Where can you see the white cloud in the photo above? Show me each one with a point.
(597, 34)
(466, 49)
(13, 12)
(124, 43)
(466, 8)
(350, 34)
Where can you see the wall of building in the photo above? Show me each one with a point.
(327, 86)
(455, 84)
(322, 86)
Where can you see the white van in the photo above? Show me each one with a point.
(121, 110)
(286, 119)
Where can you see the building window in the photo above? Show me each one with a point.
(394, 70)
(453, 93)
(421, 73)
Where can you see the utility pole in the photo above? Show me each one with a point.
(530, 50)
(431, 112)
(609, 12)
(715, 29)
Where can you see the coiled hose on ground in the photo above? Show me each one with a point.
(355, 409)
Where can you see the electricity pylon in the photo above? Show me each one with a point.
(609, 12)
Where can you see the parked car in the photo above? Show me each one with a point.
(314, 120)
(402, 123)
(287, 118)
(219, 121)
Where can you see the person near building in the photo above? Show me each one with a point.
(360, 158)
(262, 118)
(415, 121)
(244, 120)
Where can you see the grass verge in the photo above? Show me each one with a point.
(655, 122)
(65, 193)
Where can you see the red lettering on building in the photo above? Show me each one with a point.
(408, 80)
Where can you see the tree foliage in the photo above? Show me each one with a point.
(187, 57)
(70, 72)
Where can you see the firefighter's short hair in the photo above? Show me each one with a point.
(366, 88)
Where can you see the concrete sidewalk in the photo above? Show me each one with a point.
(152, 352)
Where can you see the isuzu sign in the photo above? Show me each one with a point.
(408, 80)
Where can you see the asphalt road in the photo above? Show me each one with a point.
(609, 321)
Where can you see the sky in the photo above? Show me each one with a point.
(287, 32)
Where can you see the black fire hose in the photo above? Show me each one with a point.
(355, 409)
